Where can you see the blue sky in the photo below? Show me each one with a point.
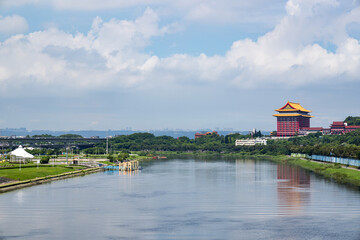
(165, 64)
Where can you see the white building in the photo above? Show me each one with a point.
(250, 142)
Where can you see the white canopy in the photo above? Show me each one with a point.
(20, 152)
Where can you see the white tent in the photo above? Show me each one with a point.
(20, 155)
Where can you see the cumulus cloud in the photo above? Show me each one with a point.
(14, 24)
(111, 55)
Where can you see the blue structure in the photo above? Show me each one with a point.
(111, 168)
(345, 161)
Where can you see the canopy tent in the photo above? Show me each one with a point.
(20, 155)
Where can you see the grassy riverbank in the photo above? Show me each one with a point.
(13, 185)
(336, 172)
(32, 171)
(340, 174)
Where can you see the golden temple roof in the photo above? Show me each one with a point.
(290, 107)
(291, 115)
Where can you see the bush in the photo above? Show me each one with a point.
(122, 156)
(341, 177)
(111, 158)
(142, 153)
(45, 159)
(337, 165)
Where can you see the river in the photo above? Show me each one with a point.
(186, 199)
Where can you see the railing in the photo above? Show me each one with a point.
(345, 161)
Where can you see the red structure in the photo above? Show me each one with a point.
(291, 118)
(337, 128)
(199, 135)
(342, 128)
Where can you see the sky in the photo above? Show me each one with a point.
(155, 64)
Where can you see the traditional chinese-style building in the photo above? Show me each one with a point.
(291, 118)
(342, 128)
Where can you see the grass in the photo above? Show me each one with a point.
(108, 162)
(35, 172)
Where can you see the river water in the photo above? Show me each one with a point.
(185, 199)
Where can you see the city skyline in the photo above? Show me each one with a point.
(89, 65)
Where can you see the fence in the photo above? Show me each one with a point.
(345, 161)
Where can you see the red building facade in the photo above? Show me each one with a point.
(342, 128)
(291, 118)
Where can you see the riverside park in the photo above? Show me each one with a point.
(181, 120)
(252, 192)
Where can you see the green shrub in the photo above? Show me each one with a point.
(122, 156)
(341, 177)
(45, 159)
(337, 165)
(142, 153)
(111, 158)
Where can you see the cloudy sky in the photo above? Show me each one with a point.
(190, 64)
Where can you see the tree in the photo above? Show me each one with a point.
(122, 156)
(352, 121)
(70, 136)
(43, 136)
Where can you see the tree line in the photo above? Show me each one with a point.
(347, 145)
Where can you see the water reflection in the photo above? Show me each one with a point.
(293, 189)
(128, 173)
(185, 199)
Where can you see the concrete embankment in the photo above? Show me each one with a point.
(27, 183)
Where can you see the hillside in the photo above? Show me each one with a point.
(352, 121)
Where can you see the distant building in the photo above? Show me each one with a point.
(351, 128)
(342, 128)
(291, 118)
(199, 135)
(336, 128)
(306, 131)
(250, 142)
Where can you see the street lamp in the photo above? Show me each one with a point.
(67, 158)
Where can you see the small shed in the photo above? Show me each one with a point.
(19, 155)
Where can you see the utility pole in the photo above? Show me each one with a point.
(107, 145)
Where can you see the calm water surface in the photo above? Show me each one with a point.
(185, 199)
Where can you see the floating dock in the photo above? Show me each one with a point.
(125, 166)
(129, 166)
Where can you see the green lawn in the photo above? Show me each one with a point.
(34, 172)
(108, 163)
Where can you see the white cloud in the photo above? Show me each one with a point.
(14, 24)
(111, 55)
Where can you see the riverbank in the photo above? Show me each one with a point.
(336, 172)
(10, 186)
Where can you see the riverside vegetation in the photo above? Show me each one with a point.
(347, 145)
(146, 145)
